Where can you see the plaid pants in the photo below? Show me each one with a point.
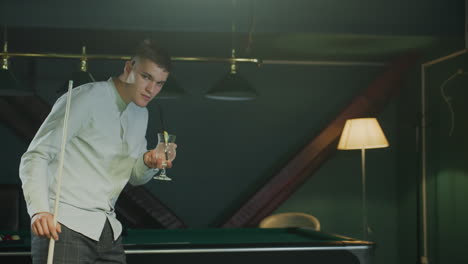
(75, 248)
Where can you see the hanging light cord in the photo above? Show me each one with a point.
(448, 100)
(233, 32)
(248, 48)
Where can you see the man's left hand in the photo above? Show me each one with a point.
(150, 160)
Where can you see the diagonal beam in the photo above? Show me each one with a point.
(11, 117)
(33, 108)
(141, 209)
(371, 102)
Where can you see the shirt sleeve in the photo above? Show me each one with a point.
(35, 171)
(141, 174)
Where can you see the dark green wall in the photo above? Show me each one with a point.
(447, 174)
(446, 154)
(408, 166)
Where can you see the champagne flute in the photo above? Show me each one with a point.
(166, 151)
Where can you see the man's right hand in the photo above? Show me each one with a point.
(42, 224)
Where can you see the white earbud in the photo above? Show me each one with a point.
(131, 77)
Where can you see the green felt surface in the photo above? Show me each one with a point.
(214, 236)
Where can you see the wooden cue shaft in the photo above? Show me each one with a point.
(50, 255)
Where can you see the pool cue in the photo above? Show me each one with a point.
(50, 255)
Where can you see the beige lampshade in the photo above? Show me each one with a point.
(362, 133)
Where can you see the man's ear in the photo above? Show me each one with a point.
(129, 66)
(130, 74)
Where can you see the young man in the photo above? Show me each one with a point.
(105, 149)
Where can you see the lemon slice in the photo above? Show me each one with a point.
(166, 136)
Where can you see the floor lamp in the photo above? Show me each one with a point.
(363, 133)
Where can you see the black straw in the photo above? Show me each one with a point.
(161, 116)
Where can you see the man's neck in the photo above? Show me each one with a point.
(120, 86)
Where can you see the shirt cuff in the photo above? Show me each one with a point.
(141, 173)
(140, 164)
(35, 205)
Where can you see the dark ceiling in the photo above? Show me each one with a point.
(267, 29)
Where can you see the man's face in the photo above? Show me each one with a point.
(145, 80)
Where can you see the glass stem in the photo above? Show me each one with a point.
(163, 169)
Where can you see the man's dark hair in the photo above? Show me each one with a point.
(151, 51)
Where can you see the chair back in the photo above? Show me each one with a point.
(282, 220)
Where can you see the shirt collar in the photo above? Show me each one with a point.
(121, 105)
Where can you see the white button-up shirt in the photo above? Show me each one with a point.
(104, 150)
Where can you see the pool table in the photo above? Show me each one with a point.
(233, 245)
